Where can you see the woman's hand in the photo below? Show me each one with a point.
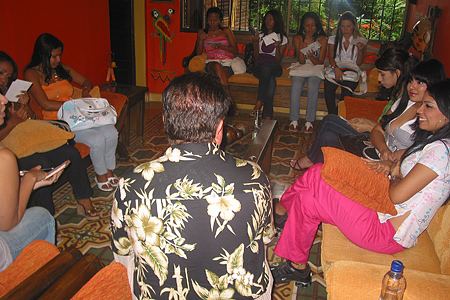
(20, 114)
(276, 43)
(361, 47)
(383, 166)
(362, 124)
(85, 93)
(338, 74)
(39, 177)
(24, 98)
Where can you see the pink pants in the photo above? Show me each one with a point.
(310, 201)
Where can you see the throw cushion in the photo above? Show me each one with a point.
(348, 175)
(33, 136)
(198, 63)
(363, 108)
(77, 93)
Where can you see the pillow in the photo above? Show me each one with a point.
(348, 175)
(363, 108)
(33, 136)
(198, 63)
(77, 93)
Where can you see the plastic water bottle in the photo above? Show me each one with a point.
(394, 283)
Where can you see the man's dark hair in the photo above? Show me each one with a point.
(193, 105)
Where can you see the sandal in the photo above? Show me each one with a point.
(112, 179)
(296, 166)
(104, 186)
(89, 214)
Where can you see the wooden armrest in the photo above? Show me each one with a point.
(41, 280)
(74, 279)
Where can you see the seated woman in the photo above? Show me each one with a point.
(392, 136)
(20, 226)
(76, 173)
(268, 55)
(52, 87)
(418, 187)
(340, 48)
(310, 31)
(220, 45)
(394, 66)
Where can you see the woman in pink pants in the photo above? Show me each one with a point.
(419, 187)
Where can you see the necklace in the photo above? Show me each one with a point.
(56, 78)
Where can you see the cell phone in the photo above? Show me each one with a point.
(23, 172)
(57, 169)
(252, 29)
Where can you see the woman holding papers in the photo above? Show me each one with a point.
(347, 45)
(268, 50)
(76, 173)
(310, 48)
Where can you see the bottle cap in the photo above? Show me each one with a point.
(397, 266)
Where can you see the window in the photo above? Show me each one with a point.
(378, 19)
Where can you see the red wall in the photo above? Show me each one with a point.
(159, 74)
(442, 41)
(82, 25)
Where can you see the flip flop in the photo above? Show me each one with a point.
(296, 166)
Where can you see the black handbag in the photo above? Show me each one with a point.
(358, 145)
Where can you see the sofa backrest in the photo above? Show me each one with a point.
(439, 232)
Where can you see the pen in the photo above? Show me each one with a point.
(23, 172)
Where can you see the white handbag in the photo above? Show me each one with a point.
(84, 113)
(351, 72)
(307, 69)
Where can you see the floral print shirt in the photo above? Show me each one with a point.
(196, 219)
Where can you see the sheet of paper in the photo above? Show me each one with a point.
(271, 38)
(314, 46)
(359, 39)
(16, 88)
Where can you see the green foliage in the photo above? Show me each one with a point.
(378, 19)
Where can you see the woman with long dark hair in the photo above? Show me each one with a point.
(220, 46)
(52, 87)
(418, 188)
(310, 32)
(268, 53)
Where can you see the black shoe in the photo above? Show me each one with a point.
(286, 272)
(278, 220)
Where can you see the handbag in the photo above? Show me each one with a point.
(238, 65)
(84, 113)
(359, 145)
(248, 58)
(307, 69)
(351, 72)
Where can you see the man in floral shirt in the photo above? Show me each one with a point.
(195, 219)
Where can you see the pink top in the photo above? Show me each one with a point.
(215, 53)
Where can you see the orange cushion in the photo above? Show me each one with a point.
(363, 108)
(32, 258)
(348, 175)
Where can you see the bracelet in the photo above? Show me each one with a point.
(86, 88)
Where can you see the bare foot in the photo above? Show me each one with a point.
(112, 178)
(87, 204)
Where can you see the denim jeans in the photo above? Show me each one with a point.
(103, 143)
(313, 84)
(36, 224)
(266, 72)
(327, 136)
(330, 94)
(75, 172)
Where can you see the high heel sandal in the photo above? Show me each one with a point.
(101, 185)
(88, 214)
(113, 178)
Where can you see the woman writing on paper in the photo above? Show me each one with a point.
(76, 173)
(52, 87)
(309, 33)
(341, 47)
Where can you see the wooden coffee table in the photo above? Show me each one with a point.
(256, 148)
